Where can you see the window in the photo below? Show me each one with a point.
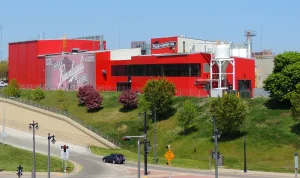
(206, 68)
(195, 69)
(175, 70)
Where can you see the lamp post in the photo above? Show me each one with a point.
(126, 138)
(245, 162)
(155, 159)
(215, 137)
(33, 126)
(145, 142)
(53, 142)
(3, 130)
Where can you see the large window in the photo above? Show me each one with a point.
(175, 70)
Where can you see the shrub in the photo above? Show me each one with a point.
(295, 101)
(93, 101)
(89, 97)
(188, 115)
(159, 93)
(13, 89)
(83, 93)
(37, 94)
(129, 99)
(60, 96)
(230, 112)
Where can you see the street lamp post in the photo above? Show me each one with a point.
(145, 143)
(215, 137)
(3, 130)
(245, 162)
(33, 126)
(53, 141)
(155, 159)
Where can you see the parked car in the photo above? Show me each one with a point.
(114, 158)
(3, 84)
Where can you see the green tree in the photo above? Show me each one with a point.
(12, 89)
(61, 99)
(188, 115)
(230, 112)
(159, 93)
(3, 70)
(37, 94)
(295, 101)
(286, 74)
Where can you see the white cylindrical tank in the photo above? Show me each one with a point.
(222, 51)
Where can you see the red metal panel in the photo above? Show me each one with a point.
(103, 63)
(13, 61)
(56, 46)
(163, 45)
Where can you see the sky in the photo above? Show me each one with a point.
(276, 22)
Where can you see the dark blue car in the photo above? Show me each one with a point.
(114, 158)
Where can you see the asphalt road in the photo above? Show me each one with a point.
(91, 166)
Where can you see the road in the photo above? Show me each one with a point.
(90, 166)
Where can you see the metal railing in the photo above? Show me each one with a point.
(64, 113)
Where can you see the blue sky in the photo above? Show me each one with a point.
(128, 20)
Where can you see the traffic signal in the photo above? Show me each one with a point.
(125, 138)
(19, 170)
(218, 155)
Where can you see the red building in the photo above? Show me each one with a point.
(27, 61)
(185, 62)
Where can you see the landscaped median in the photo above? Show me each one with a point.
(11, 157)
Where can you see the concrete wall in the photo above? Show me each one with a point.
(260, 92)
(124, 54)
(264, 67)
(18, 116)
(194, 45)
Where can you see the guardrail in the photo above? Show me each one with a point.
(64, 113)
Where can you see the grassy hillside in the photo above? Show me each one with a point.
(11, 157)
(272, 136)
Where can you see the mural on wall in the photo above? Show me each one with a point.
(70, 71)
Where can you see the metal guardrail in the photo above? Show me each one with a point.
(64, 113)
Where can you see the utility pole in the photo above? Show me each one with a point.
(33, 126)
(245, 162)
(155, 159)
(127, 138)
(145, 144)
(215, 137)
(53, 141)
(3, 131)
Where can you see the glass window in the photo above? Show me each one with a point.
(195, 69)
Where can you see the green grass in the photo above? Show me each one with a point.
(11, 157)
(272, 135)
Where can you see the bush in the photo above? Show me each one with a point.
(37, 94)
(188, 115)
(83, 93)
(159, 93)
(295, 101)
(89, 97)
(60, 95)
(13, 89)
(129, 99)
(230, 113)
(93, 101)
